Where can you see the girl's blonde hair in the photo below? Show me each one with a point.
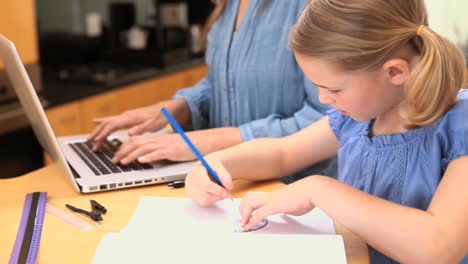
(364, 34)
(218, 10)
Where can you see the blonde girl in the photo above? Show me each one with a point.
(399, 126)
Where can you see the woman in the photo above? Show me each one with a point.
(254, 89)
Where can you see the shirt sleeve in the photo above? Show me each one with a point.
(198, 100)
(277, 125)
(344, 126)
(452, 130)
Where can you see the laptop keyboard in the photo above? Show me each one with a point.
(101, 162)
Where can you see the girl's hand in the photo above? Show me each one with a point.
(202, 189)
(293, 199)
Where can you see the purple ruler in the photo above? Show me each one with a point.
(30, 228)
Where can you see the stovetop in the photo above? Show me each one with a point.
(105, 74)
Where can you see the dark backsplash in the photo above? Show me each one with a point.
(165, 44)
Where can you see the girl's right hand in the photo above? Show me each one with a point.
(293, 199)
(202, 189)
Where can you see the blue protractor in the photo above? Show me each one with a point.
(29, 231)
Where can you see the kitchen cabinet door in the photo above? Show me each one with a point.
(65, 119)
(169, 84)
(157, 89)
(172, 82)
(196, 74)
(18, 23)
(137, 95)
(102, 105)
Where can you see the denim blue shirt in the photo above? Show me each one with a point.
(405, 168)
(254, 82)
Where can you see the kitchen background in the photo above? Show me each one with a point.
(94, 58)
(90, 58)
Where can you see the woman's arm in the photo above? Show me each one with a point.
(198, 100)
(276, 125)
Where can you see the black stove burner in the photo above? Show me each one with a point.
(97, 74)
(94, 73)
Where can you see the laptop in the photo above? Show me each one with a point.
(86, 170)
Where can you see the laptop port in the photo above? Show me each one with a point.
(138, 182)
(128, 183)
(93, 188)
(103, 186)
(147, 181)
(112, 185)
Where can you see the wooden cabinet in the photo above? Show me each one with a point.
(138, 95)
(196, 74)
(175, 81)
(18, 23)
(158, 89)
(172, 83)
(101, 105)
(65, 119)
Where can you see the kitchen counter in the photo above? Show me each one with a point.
(57, 92)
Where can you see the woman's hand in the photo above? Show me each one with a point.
(293, 199)
(147, 148)
(138, 121)
(202, 189)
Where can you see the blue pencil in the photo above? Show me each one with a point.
(195, 151)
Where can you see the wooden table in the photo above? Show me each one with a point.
(64, 243)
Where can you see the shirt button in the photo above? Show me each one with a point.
(225, 90)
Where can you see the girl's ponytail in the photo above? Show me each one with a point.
(435, 80)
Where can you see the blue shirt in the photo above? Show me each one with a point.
(404, 168)
(254, 82)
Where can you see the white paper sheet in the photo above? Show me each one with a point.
(156, 215)
(176, 230)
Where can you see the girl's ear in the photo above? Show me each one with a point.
(397, 71)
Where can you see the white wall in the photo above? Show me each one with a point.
(450, 19)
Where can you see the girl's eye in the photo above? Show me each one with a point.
(334, 91)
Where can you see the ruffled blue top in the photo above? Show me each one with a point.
(404, 168)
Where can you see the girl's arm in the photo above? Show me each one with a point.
(261, 159)
(408, 235)
(270, 158)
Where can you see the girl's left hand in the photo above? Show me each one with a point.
(292, 199)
